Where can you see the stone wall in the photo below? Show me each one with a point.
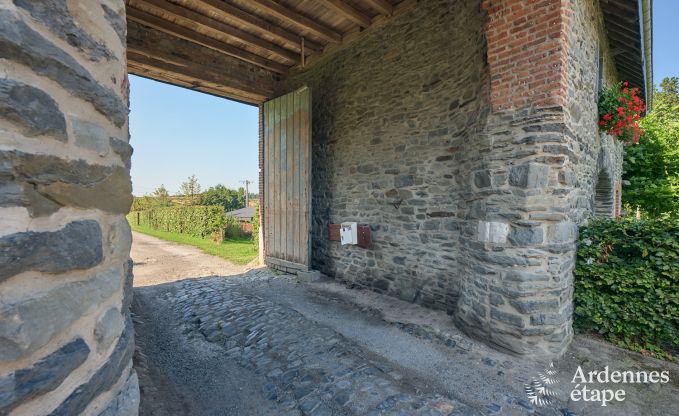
(396, 117)
(469, 144)
(598, 155)
(66, 338)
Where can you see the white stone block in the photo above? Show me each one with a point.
(493, 232)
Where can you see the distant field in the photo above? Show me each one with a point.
(235, 251)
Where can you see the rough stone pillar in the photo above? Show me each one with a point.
(66, 338)
(518, 241)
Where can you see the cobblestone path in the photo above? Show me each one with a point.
(307, 368)
(261, 343)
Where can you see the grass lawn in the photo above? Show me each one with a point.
(235, 251)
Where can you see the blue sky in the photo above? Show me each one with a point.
(177, 133)
(665, 39)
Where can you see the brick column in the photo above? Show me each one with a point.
(518, 239)
(66, 338)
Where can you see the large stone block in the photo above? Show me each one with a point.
(43, 376)
(126, 402)
(108, 328)
(57, 17)
(32, 110)
(103, 379)
(46, 183)
(21, 44)
(529, 175)
(29, 324)
(76, 246)
(122, 149)
(90, 136)
(493, 232)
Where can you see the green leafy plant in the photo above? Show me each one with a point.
(194, 220)
(255, 228)
(620, 110)
(627, 283)
(230, 199)
(651, 168)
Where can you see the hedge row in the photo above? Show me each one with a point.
(198, 221)
(627, 282)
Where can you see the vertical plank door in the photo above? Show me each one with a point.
(287, 181)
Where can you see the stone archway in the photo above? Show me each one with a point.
(604, 198)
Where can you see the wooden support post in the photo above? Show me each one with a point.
(302, 48)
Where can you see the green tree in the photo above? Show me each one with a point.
(161, 192)
(652, 165)
(190, 188)
(221, 195)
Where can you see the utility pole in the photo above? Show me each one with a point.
(247, 192)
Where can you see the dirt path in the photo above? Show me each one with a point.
(157, 261)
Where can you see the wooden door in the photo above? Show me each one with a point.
(287, 181)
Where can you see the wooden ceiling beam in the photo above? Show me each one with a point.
(173, 63)
(170, 28)
(258, 24)
(147, 71)
(181, 13)
(348, 12)
(382, 6)
(292, 17)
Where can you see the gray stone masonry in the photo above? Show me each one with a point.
(472, 211)
(64, 189)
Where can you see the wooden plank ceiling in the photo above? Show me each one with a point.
(239, 49)
(625, 37)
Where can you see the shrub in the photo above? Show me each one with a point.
(627, 282)
(233, 229)
(255, 228)
(195, 220)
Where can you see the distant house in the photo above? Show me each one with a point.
(244, 215)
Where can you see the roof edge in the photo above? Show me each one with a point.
(645, 21)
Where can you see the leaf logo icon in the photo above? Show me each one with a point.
(537, 388)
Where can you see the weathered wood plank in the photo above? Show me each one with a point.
(290, 16)
(383, 6)
(206, 23)
(305, 171)
(290, 172)
(255, 23)
(296, 220)
(285, 263)
(348, 12)
(158, 23)
(288, 153)
(277, 184)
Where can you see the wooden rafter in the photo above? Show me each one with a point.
(200, 39)
(292, 17)
(181, 13)
(178, 65)
(382, 6)
(258, 24)
(348, 12)
(151, 72)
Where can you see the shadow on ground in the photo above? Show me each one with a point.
(262, 343)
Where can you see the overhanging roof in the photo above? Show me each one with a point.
(224, 47)
(628, 26)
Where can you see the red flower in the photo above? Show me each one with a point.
(625, 83)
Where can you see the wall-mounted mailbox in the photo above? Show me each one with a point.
(348, 233)
(363, 237)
